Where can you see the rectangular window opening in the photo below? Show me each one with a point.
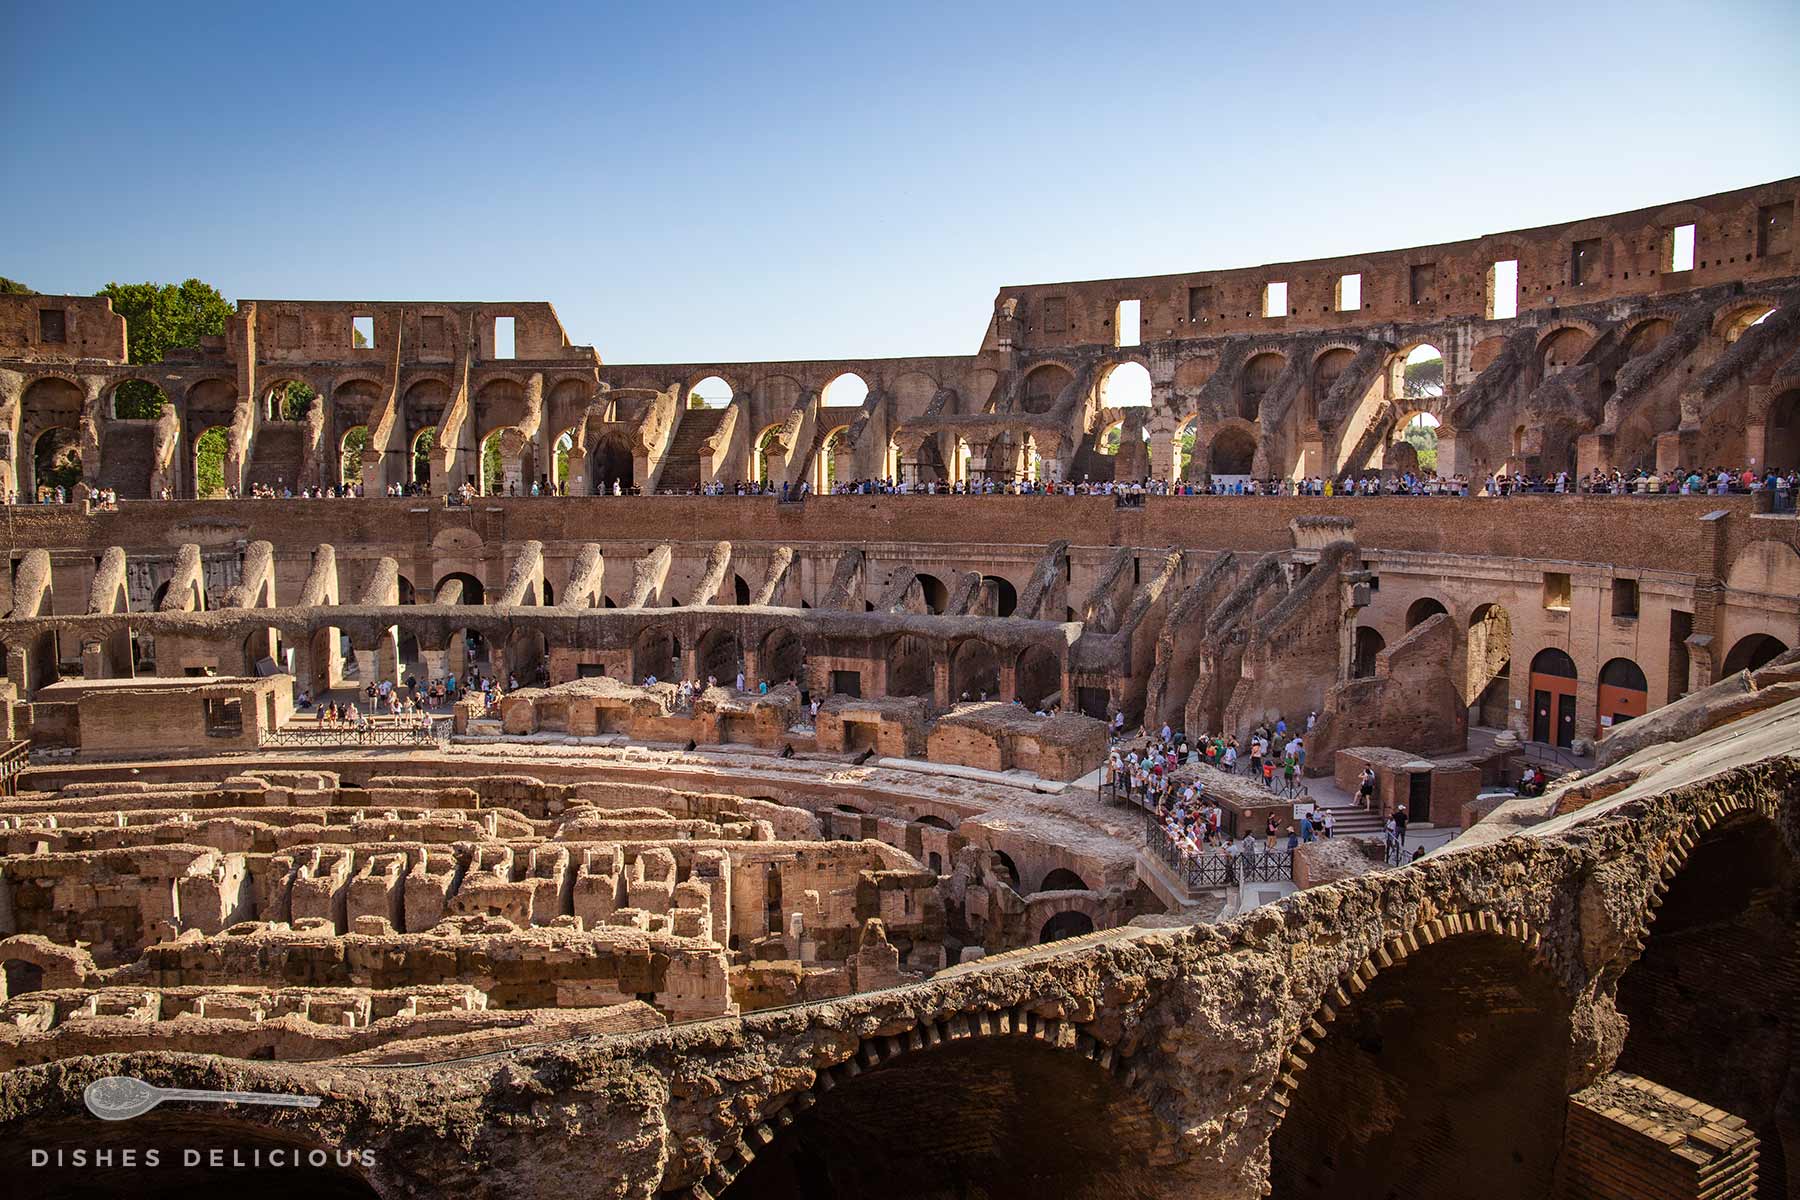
(224, 718)
(1423, 278)
(1556, 591)
(1349, 293)
(1503, 290)
(1681, 249)
(1200, 302)
(1275, 300)
(1625, 599)
(362, 333)
(53, 326)
(1584, 262)
(1128, 323)
(503, 337)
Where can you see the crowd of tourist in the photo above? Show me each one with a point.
(1642, 481)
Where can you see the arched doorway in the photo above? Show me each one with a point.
(783, 658)
(974, 671)
(209, 463)
(1781, 446)
(1489, 687)
(1422, 610)
(1369, 645)
(721, 656)
(1752, 653)
(1011, 1118)
(56, 463)
(1464, 1045)
(1720, 957)
(1126, 385)
(1063, 880)
(472, 592)
(848, 390)
(350, 455)
(1624, 694)
(21, 977)
(998, 596)
(612, 469)
(911, 667)
(1233, 452)
(711, 392)
(655, 652)
(1037, 678)
(1553, 684)
(1065, 925)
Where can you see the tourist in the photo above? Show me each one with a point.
(1400, 823)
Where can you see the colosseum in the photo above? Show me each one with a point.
(1118, 762)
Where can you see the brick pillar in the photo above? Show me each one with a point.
(1628, 1138)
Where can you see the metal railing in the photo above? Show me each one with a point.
(14, 758)
(373, 735)
(1217, 868)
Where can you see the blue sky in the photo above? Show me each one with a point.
(689, 182)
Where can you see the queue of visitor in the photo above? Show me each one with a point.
(1643, 481)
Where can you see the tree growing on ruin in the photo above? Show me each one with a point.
(158, 318)
(12, 287)
(209, 463)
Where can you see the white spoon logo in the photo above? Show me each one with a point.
(122, 1097)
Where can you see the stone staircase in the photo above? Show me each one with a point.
(681, 465)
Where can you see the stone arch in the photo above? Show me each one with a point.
(1733, 320)
(974, 670)
(1037, 677)
(55, 460)
(1043, 384)
(847, 389)
(1643, 336)
(912, 667)
(1463, 1024)
(1258, 376)
(1326, 368)
(1752, 652)
(1422, 610)
(1489, 685)
(1192, 374)
(1068, 923)
(1055, 1108)
(1233, 451)
(655, 651)
(712, 391)
(783, 657)
(1367, 647)
(1765, 566)
(1062, 879)
(765, 450)
(1124, 383)
(1717, 953)
(611, 463)
(721, 654)
(472, 591)
(1561, 347)
(1004, 595)
(20, 976)
(1781, 439)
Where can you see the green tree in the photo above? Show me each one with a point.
(209, 463)
(296, 400)
(564, 444)
(422, 454)
(1424, 439)
(1184, 452)
(1424, 378)
(158, 318)
(12, 287)
(493, 484)
(354, 443)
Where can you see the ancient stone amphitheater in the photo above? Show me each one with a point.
(857, 915)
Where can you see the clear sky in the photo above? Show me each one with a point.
(691, 182)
